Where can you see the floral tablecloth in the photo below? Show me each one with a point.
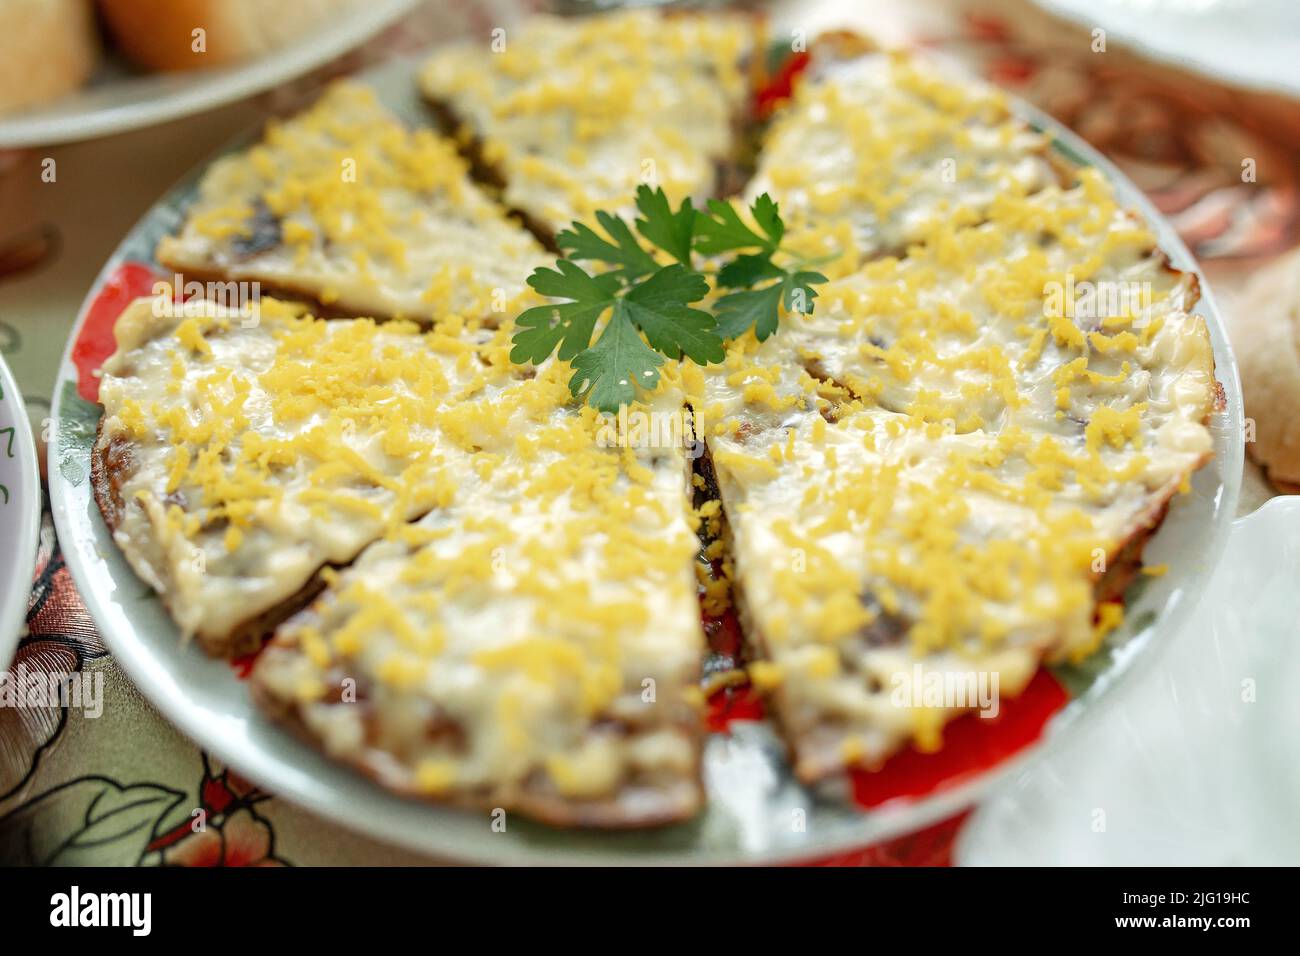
(116, 784)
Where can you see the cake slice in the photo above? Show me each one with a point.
(876, 151)
(346, 206)
(944, 477)
(569, 116)
(533, 643)
(240, 452)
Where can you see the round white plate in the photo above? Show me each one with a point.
(20, 512)
(751, 794)
(1250, 43)
(123, 100)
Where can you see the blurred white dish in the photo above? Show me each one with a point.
(124, 101)
(1250, 43)
(20, 512)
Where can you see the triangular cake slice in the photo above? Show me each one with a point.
(876, 151)
(569, 116)
(241, 451)
(345, 205)
(533, 643)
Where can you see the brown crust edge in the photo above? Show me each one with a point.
(487, 176)
(606, 814)
(679, 803)
(342, 308)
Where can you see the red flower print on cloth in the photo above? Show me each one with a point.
(60, 639)
(224, 830)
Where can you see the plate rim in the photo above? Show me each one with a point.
(880, 824)
(15, 594)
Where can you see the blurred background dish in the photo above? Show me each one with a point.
(20, 512)
(1251, 43)
(63, 78)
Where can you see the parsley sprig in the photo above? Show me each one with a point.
(650, 304)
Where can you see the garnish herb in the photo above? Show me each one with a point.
(649, 303)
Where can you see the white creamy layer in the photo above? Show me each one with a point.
(344, 204)
(263, 445)
(575, 114)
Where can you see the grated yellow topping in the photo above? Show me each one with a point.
(576, 114)
(345, 204)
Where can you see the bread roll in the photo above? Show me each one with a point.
(1266, 337)
(47, 48)
(164, 34)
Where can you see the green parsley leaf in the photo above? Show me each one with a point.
(758, 308)
(659, 307)
(568, 324)
(743, 271)
(670, 231)
(755, 309)
(650, 305)
(767, 214)
(799, 291)
(721, 229)
(610, 372)
(582, 242)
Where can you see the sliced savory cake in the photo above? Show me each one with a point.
(571, 115)
(482, 591)
(877, 151)
(240, 452)
(531, 644)
(345, 205)
(950, 468)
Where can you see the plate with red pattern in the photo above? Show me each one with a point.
(756, 811)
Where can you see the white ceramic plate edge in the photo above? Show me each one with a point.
(25, 502)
